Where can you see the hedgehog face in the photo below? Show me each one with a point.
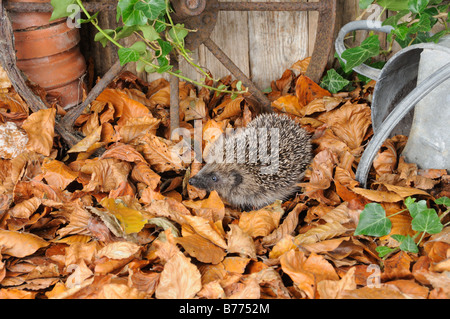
(216, 177)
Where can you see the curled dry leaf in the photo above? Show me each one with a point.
(26, 208)
(200, 248)
(228, 108)
(124, 152)
(19, 244)
(180, 279)
(240, 242)
(206, 229)
(58, 174)
(261, 222)
(40, 128)
(131, 220)
(286, 228)
(143, 173)
(307, 90)
(106, 174)
(136, 127)
(332, 289)
(119, 250)
(289, 104)
(163, 155)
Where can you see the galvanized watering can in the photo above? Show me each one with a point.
(411, 97)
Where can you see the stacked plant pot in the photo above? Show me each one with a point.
(48, 53)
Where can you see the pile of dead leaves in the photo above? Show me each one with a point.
(114, 217)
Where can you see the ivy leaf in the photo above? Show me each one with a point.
(443, 201)
(417, 6)
(373, 221)
(137, 12)
(415, 208)
(333, 81)
(355, 56)
(394, 5)
(383, 250)
(395, 18)
(128, 55)
(364, 4)
(60, 8)
(427, 221)
(408, 244)
(100, 37)
(178, 32)
(165, 46)
(149, 32)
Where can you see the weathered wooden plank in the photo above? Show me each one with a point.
(277, 40)
(231, 35)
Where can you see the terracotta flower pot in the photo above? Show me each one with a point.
(48, 53)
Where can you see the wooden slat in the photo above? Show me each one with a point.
(277, 40)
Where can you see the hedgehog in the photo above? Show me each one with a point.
(258, 164)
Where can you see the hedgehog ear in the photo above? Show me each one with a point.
(237, 178)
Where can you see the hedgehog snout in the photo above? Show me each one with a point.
(196, 182)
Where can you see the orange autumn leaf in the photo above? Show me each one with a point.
(180, 279)
(40, 127)
(289, 104)
(141, 172)
(228, 108)
(106, 174)
(307, 90)
(206, 229)
(20, 244)
(124, 106)
(131, 220)
(263, 221)
(58, 174)
(201, 249)
(136, 127)
(124, 152)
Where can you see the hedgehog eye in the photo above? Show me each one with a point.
(214, 178)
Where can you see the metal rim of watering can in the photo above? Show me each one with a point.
(425, 87)
(370, 25)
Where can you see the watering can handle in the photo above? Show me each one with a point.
(363, 69)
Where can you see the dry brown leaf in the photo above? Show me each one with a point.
(301, 66)
(293, 264)
(240, 242)
(26, 208)
(228, 108)
(180, 279)
(289, 104)
(332, 289)
(143, 173)
(386, 159)
(211, 208)
(119, 250)
(261, 222)
(236, 264)
(58, 174)
(40, 128)
(286, 228)
(124, 152)
(161, 154)
(378, 196)
(384, 292)
(200, 248)
(20, 244)
(206, 229)
(405, 191)
(136, 127)
(321, 232)
(88, 142)
(307, 90)
(106, 174)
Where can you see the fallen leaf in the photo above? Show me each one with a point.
(20, 244)
(40, 128)
(180, 279)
